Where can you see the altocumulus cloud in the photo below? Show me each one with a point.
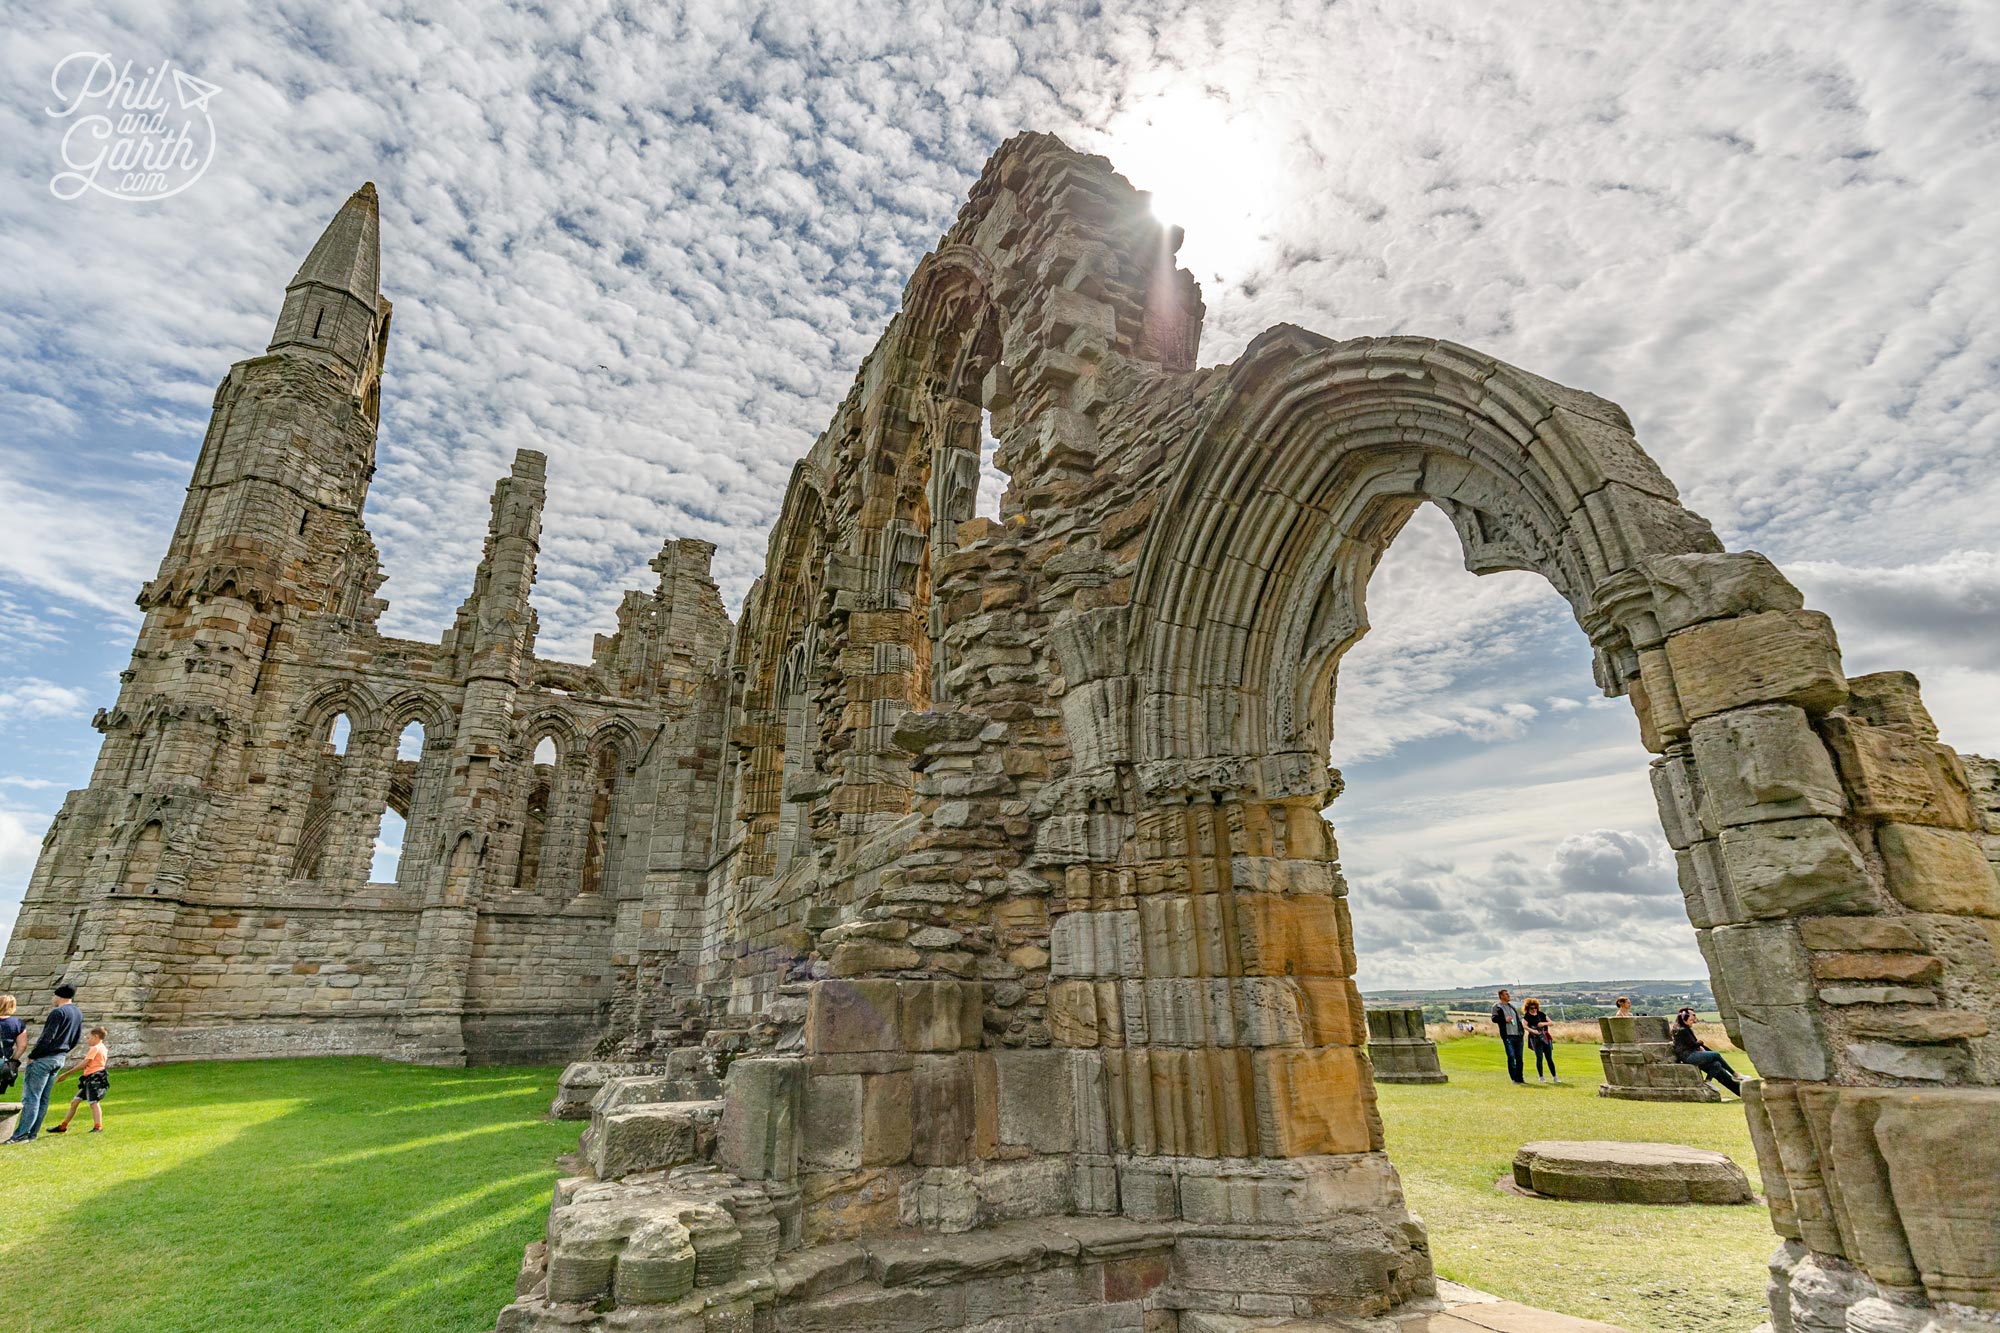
(655, 241)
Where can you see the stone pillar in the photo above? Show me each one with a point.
(494, 636)
(1399, 1048)
(1831, 860)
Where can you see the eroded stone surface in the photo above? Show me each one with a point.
(1602, 1171)
(984, 859)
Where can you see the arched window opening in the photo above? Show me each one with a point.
(388, 852)
(1480, 686)
(992, 481)
(143, 866)
(801, 722)
(603, 790)
(310, 852)
(534, 827)
(410, 745)
(544, 759)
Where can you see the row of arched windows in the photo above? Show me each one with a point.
(389, 823)
(553, 790)
(566, 815)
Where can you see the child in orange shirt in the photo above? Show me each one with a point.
(91, 1085)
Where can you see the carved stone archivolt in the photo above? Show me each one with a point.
(991, 852)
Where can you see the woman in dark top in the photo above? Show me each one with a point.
(11, 1028)
(1540, 1039)
(1689, 1050)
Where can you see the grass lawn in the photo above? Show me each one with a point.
(1643, 1268)
(305, 1196)
(285, 1196)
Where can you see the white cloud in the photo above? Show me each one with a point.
(31, 698)
(20, 843)
(657, 243)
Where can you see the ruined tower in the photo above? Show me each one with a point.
(211, 890)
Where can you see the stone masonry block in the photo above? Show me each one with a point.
(1858, 932)
(1891, 699)
(1938, 870)
(1095, 944)
(1313, 1101)
(1763, 763)
(1794, 866)
(1676, 793)
(831, 1122)
(853, 1015)
(759, 1138)
(1036, 1100)
(1774, 657)
(1283, 936)
(1942, 1151)
(941, 1110)
(1895, 775)
(939, 1015)
(1690, 589)
(887, 1120)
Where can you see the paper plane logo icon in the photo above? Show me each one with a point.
(194, 93)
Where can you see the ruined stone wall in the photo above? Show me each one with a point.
(209, 892)
(1024, 909)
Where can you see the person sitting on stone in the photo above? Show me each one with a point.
(1624, 1007)
(1689, 1050)
(1541, 1039)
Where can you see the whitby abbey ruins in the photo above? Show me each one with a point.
(957, 941)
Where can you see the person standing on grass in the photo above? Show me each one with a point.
(1508, 1019)
(60, 1031)
(1689, 1050)
(13, 1035)
(91, 1085)
(1539, 1037)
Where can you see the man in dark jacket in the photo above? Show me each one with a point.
(60, 1031)
(1508, 1019)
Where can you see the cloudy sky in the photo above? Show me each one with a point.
(656, 241)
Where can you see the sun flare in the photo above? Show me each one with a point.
(1209, 168)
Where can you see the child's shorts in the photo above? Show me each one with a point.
(92, 1087)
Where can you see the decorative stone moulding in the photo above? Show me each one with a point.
(965, 919)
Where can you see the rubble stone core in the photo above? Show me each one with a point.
(1023, 951)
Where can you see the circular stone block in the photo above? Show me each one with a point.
(1601, 1171)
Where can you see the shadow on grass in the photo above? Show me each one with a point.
(285, 1196)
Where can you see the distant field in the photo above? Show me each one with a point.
(1648, 1269)
(1712, 1034)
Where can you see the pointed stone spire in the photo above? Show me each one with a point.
(335, 304)
(348, 255)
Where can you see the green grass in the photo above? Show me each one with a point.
(1675, 1270)
(305, 1196)
(285, 1196)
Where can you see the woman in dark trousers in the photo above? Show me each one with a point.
(1689, 1050)
(1540, 1040)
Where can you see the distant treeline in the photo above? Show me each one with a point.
(1563, 1000)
